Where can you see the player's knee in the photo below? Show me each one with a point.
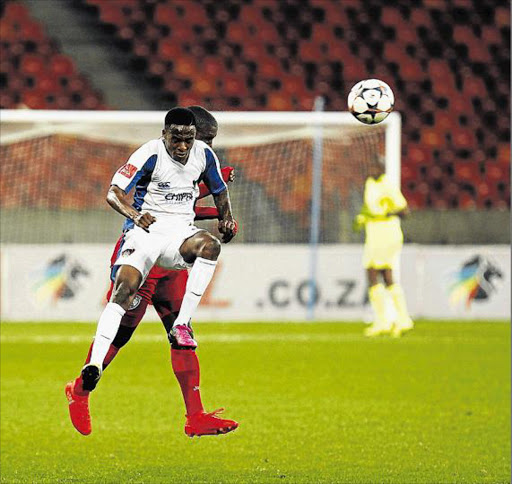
(210, 248)
(124, 292)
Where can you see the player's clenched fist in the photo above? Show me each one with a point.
(144, 220)
(228, 228)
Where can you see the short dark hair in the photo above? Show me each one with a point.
(204, 119)
(180, 116)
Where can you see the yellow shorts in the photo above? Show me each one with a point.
(384, 241)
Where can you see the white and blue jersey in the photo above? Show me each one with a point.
(164, 187)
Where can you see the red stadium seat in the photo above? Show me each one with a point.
(474, 86)
(236, 32)
(418, 154)
(463, 34)
(233, 85)
(165, 14)
(463, 138)
(502, 17)
(185, 67)
(211, 66)
(62, 65)
(466, 201)
(432, 137)
(406, 35)
(34, 99)
(504, 154)
(391, 16)
(335, 15)
(420, 16)
(469, 172)
(491, 35)
(411, 70)
(169, 49)
(270, 68)
(496, 171)
(204, 86)
(32, 64)
(48, 83)
(14, 11)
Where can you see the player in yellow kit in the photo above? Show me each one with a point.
(380, 215)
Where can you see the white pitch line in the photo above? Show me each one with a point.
(242, 337)
(219, 338)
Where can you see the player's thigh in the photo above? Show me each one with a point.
(202, 244)
(140, 250)
(171, 257)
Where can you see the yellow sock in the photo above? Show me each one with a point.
(377, 296)
(397, 295)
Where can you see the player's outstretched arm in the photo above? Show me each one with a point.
(117, 199)
(227, 225)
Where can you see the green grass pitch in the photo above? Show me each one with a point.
(317, 403)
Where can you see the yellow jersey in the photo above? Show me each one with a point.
(384, 237)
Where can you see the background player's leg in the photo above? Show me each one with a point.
(185, 364)
(404, 322)
(377, 295)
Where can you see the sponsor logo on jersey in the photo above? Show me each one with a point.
(178, 198)
(135, 303)
(475, 281)
(127, 252)
(164, 185)
(127, 170)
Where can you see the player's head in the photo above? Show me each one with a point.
(179, 133)
(206, 124)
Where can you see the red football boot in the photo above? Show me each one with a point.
(78, 410)
(182, 336)
(203, 423)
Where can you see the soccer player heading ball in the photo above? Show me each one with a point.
(380, 215)
(159, 229)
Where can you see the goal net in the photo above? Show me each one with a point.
(56, 167)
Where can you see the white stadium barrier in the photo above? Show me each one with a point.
(68, 282)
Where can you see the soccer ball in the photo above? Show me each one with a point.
(370, 101)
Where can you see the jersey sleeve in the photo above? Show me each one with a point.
(141, 163)
(212, 175)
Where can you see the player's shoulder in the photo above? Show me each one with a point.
(150, 148)
(200, 145)
(204, 152)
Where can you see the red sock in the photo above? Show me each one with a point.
(111, 353)
(186, 368)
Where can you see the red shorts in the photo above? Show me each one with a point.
(161, 285)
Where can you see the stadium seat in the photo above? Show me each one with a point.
(61, 65)
(32, 64)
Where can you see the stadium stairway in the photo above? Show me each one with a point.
(109, 68)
